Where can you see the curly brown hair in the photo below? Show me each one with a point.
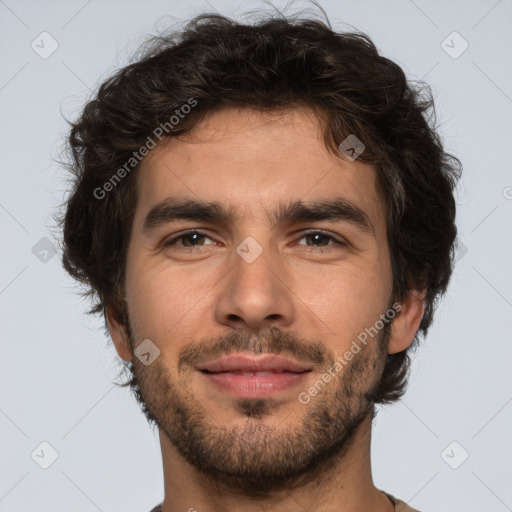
(273, 64)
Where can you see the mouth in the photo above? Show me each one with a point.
(250, 376)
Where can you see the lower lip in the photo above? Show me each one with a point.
(254, 386)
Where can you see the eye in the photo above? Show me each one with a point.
(190, 239)
(320, 237)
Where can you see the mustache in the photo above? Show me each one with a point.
(270, 341)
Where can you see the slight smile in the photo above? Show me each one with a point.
(250, 376)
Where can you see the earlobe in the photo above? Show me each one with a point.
(118, 334)
(406, 323)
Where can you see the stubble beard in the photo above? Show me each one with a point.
(254, 458)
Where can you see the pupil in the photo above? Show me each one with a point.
(316, 236)
(191, 236)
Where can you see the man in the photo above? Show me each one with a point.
(266, 219)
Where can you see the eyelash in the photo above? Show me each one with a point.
(312, 232)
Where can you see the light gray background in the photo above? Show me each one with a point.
(56, 368)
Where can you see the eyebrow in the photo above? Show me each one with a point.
(334, 210)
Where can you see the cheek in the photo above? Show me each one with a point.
(160, 301)
(344, 300)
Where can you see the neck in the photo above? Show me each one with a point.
(343, 485)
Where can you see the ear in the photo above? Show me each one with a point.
(119, 334)
(407, 321)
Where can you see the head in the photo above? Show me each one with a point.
(237, 134)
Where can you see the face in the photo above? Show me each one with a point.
(256, 284)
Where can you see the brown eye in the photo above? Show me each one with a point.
(321, 239)
(189, 239)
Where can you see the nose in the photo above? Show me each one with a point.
(256, 295)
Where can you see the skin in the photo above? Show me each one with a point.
(192, 301)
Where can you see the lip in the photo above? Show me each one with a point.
(254, 363)
(227, 374)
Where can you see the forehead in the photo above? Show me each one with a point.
(250, 161)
